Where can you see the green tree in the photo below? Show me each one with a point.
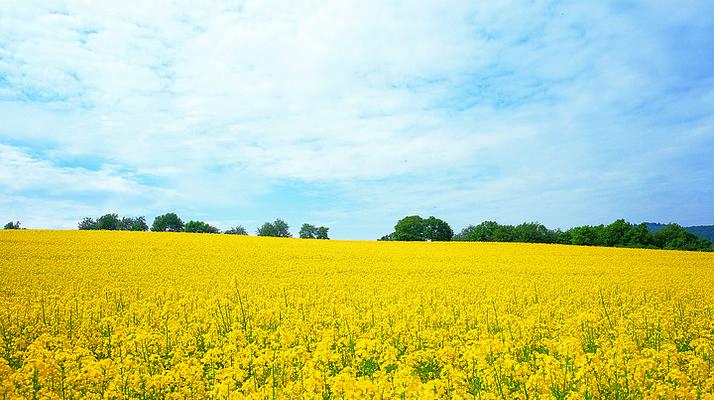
(133, 224)
(674, 237)
(308, 231)
(485, 231)
(199, 227)
(281, 228)
(615, 233)
(563, 237)
(639, 236)
(532, 232)
(267, 229)
(322, 233)
(278, 228)
(467, 234)
(87, 224)
(409, 228)
(139, 224)
(585, 236)
(436, 229)
(504, 233)
(387, 237)
(108, 222)
(168, 222)
(238, 230)
(12, 225)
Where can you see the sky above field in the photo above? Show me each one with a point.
(355, 114)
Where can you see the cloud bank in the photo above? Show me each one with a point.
(355, 114)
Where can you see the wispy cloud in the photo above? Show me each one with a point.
(356, 113)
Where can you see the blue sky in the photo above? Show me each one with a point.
(354, 114)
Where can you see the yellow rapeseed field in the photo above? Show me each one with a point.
(117, 315)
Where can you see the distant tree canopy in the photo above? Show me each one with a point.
(416, 228)
(387, 237)
(238, 230)
(87, 224)
(322, 233)
(620, 233)
(437, 230)
(308, 231)
(674, 237)
(112, 222)
(134, 224)
(199, 227)
(167, 222)
(278, 228)
(12, 225)
(108, 222)
(409, 228)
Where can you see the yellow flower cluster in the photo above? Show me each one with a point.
(115, 315)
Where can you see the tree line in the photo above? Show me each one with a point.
(620, 233)
(170, 222)
(12, 225)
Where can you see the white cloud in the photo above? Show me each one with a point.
(19, 171)
(496, 104)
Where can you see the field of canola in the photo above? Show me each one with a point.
(119, 315)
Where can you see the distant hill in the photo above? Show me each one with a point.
(704, 231)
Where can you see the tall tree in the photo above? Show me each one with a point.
(277, 228)
(674, 237)
(138, 224)
(584, 236)
(485, 231)
(108, 222)
(12, 225)
(199, 227)
(238, 230)
(532, 232)
(322, 233)
(87, 224)
(615, 233)
(409, 228)
(436, 229)
(504, 233)
(167, 222)
(308, 231)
